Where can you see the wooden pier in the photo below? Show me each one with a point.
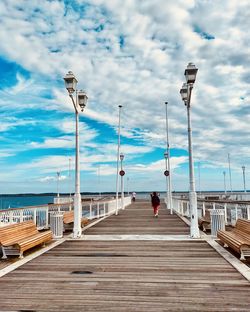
(129, 262)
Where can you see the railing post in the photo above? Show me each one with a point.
(21, 216)
(47, 217)
(11, 217)
(213, 206)
(182, 208)
(225, 212)
(203, 209)
(90, 210)
(98, 210)
(248, 212)
(236, 212)
(34, 216)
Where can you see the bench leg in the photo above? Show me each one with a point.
(204, 229)
(21, 255)
(4, 254)
(225, 245)
(242, 257)
(43, 245)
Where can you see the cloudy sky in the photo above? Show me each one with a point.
(129, 53)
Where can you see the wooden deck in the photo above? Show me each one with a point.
(127, 275)
(138, 218)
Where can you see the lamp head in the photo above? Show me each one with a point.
(184, 93)
(82, 99)
(190, 73)
(166, 155)
(121, 157)
(70, 82)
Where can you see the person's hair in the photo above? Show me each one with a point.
(154, 193)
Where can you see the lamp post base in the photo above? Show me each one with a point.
(77, 230)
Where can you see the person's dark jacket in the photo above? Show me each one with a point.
(155, 200)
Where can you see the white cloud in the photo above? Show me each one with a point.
(53, 178)
(160, 38)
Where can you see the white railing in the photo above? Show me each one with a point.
(41, 214)
(232, 209)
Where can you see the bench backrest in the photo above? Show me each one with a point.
(243, 225)
(17, 231)
(68, 216)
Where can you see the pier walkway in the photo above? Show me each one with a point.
(129, 262)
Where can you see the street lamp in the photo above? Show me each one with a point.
(122, 172)
(58, 178)
(79, 103)
(244, 178)
(225, 187)
(168, 169)
(118, 155)
(229, 170)
(186, 91)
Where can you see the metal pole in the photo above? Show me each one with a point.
(225, 187)
(117, 163)
(99, 179)
(122, 189)
(168, 161)
(77, 230)
(69, 178)
(229, 169)
(244, 178)
(166, 166)
(194, 229)
(58, 176)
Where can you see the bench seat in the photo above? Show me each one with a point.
(19, 237)
(238, 239)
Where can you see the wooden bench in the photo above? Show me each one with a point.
(19, 237)
(205, 221)
(238, 239)
(68, 220)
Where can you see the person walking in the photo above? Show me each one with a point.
(155, 201)
(133, 196)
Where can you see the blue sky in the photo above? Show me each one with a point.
(130, 53)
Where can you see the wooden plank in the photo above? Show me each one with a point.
(84, 275)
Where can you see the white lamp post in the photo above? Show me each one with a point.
(229, 170)
(122, 184)
(225, 186)
(79, 103)
(244, 178)
(186, 90)
(58, 178)
(167, 157)
(118, 154)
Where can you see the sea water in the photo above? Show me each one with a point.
(19, 201)
(15, 201)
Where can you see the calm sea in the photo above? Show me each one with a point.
(14, 201)
(23, 201)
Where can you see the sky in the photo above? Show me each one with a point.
(129, 53)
